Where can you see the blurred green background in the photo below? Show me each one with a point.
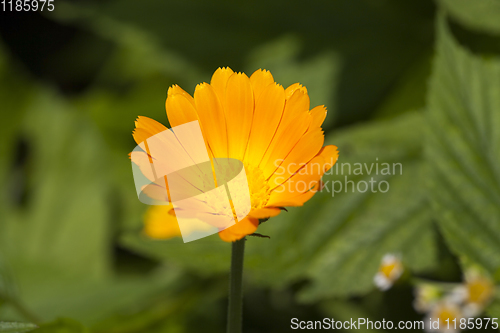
(415, 82)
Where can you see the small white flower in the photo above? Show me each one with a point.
(459, 294)
(391, 269)
(444, 317)
(472, 310)
(478, 292)
(426, 296)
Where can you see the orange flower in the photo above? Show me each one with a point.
(269, 128)
(160, 222)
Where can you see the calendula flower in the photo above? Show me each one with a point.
(444, 317)
(475, 294)
(389, 271)
(271, 130)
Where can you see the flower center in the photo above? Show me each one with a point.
(479, 291)
(447, 314)
(388, 269)
(258, 187)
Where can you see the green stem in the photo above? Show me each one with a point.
(234, 315)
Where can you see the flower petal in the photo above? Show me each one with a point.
(146, 127)
(239, 105)
(307, 147)
(293, 125)
(180, 109)
(219, 81)
(300, 199)
(263, 213)
(260, 79)
(294, 87)
(212, 119)
(295, 190)
(176, 90)
(318, 115)
(159, 223)
(267, 115)
(245, 227)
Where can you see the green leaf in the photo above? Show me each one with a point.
(57, 241)
(16, 327)
(62, 325)
(462, 150)
(409, 93)
(481, 15)
(65, 222)
(347, 235)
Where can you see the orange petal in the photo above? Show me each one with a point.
(180, 109)
(176, 90)
(292, 127)
(294, 87)
(212, 119)
(245, 227)
(305, 179)
(330, 154)
(318, 115)
(146, 127)
(219, 81)
(288, 139)
(298, 200)
(267, 115)
(260, 79)
(239, 104)
(297, 103)
(308, 147)
(263, 213)
(167, 153)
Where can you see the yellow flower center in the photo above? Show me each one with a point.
(480, 290)
(258, 187)
(387, 269)
(447, 313)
